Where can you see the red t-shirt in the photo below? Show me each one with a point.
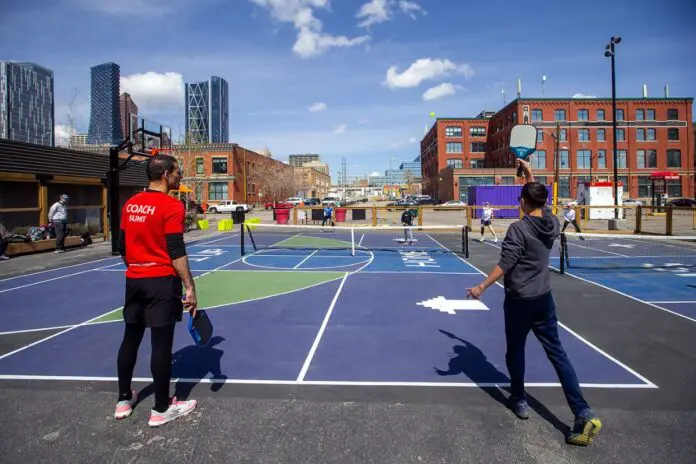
(146, 219)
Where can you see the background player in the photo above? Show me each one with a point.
(486, 221)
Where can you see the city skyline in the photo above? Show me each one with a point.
(356, 82)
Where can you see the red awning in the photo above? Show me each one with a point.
(667, 175)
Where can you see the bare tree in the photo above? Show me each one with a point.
(70, 117)
(410, 181)
(275, 180)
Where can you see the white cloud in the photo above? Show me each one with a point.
(62, 134)
(424, 69)
(153, 91)
(403, 143)
(443, 90)
(340, 129)
(136, 7)
(311, 41)
(375, 174)
(582, 95)
(379, 11)
(319, 106)
(363, 121)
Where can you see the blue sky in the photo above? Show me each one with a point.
(374, 69)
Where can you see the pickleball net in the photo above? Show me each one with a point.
(429, 239)
(622, 251)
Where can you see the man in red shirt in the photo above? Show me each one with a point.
(152, 246)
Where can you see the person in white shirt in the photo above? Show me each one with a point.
(58, 216)
(486, 221)
(569, 216)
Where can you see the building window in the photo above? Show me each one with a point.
(619, 114)
(620, 135)
(538, 160)
(672, 114)
(477, 164)
(640, 115)
(600, 115)
(564, 186)
(541, 179)
(563, 135)
(673, 158)
(583, 159)
(647, 159)
(540, 135)
(477, 131)
(563, 159)
(219, 165)
(601, 159)
(537, 115)
(621, 159)
(674, 188)
(217, 191)
(583, 115)
(672, 134)
(650, 115)
(601, 135)
(644, 186)
(650, 134)
(453, 131)
(199, 166)
(455, 163)
(454, 147)
(640, 135)
(584, 135)
(559, 115)
(478, 147)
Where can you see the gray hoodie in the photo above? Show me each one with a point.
(525, 255)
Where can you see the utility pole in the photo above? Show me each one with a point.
(610, 53)
(556, 167)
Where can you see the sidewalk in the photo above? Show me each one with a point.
(99, 250)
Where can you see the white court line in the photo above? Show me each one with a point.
(315, 345)
(598, 250)
(304, 260)
(361, 239)
(217, 240)
(58, 269)
(672, 302)
(321, 382)
(57, 278)
(648, 383)
(419, 272)
(43, 329)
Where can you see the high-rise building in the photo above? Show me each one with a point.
(126, 107)
(27, 111)
(207, 111)
(105, 117)
(297, 161)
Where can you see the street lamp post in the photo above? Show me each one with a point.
(610, 53)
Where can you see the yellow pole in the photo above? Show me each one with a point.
(555, 197)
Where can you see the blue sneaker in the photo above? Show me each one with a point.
(586, 426)
(520, 408)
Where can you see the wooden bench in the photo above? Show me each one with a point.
(14, 249)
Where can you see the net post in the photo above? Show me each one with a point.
(241, 235)
(352, 241)
(669, 224)
(639, 218)
(465, 240)
(563, 252)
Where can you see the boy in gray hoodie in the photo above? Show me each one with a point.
(529, 305)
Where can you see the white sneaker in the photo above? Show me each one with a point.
(481, 239)
(176, 409)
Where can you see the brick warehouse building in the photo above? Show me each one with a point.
(217, 172)
(652, 135)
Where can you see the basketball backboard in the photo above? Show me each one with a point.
(146, 134)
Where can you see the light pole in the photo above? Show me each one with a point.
(610, 53)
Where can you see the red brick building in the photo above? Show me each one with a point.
(652, 135)
(227, 171)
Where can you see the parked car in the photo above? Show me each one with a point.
(452, 204)
(632, 202)
(227, 206)
(683, 202)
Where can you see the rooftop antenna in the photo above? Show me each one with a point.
(519, 88)
(543, 79)
(666, 91)
(645, 91)
(504, 101)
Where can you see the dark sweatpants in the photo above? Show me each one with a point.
(539, 316)
(61, 229)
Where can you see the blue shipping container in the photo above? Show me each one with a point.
(496, 195)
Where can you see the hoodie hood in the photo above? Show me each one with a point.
(546, 228)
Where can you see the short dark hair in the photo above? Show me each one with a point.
(158, 165)
(535, 194)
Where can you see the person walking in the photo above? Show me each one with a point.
(407, 222)
(58, 218)
(151, 244)
(529, 305)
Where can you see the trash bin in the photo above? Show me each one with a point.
(282, 215)
(341, 214)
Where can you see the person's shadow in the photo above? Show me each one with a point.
(193, 362)
(470, 361)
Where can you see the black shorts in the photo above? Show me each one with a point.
(154, 301)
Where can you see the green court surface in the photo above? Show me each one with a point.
(220, 288)
(304, 241)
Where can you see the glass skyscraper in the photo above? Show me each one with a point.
(26, 103)
(105, 114)
(207, 111)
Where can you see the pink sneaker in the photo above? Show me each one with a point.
(176, 409)
(125, 408)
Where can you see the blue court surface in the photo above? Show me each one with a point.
(299, 308)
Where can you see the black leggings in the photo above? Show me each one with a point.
(160, 361)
